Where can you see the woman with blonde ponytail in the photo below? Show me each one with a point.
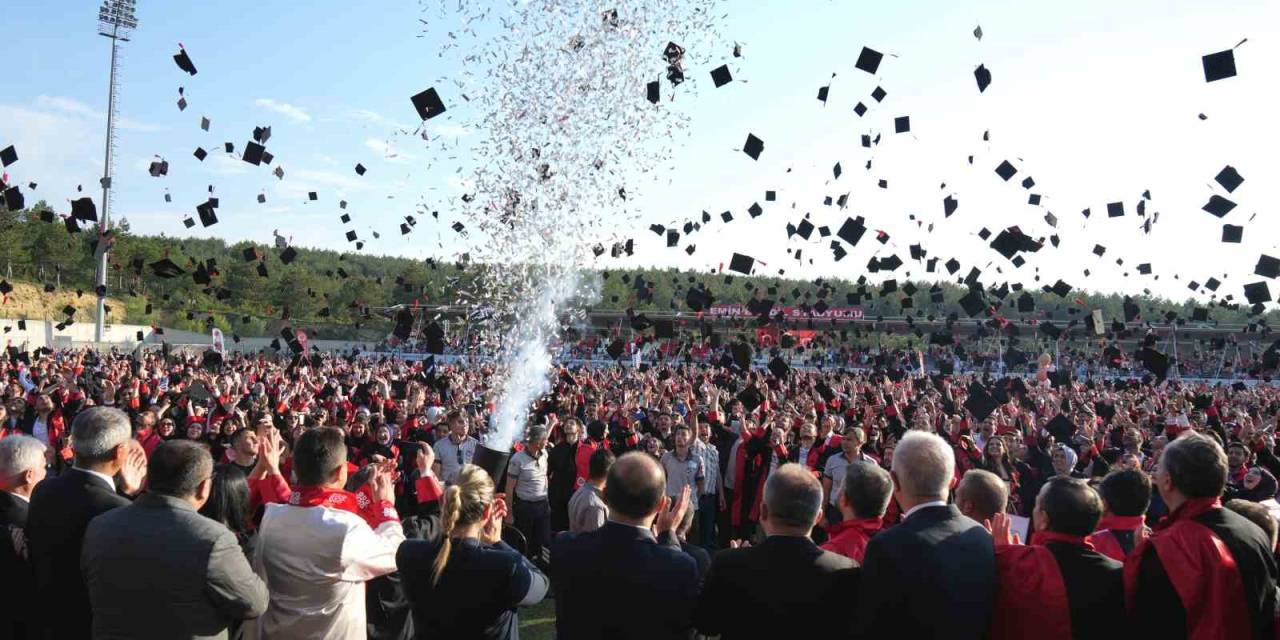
(468, 583)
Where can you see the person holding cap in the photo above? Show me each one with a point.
(526, 490)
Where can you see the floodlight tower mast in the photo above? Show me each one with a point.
(116, 20)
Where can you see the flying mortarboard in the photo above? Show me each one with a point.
(721, 76)
(428, 104)
(869, 60)
(1219, 66)
(184, 61)
(753, 147)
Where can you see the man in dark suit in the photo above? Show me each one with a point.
(1059, 585)
(62, 507)
(786, 583)
(22, 467)
(619, 582)
(933, 575)
(191, 586)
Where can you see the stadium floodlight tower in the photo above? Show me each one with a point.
(116, 20)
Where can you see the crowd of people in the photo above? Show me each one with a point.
(152, 495)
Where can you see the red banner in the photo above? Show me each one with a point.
(796, 313)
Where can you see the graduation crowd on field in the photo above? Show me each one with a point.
(154, 495)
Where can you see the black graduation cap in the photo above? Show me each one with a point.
(779, 368)
(13, 198)
(360, 169)
(980, 403)
(822, 92)
(1257, 292)
(188, 222)
(200, 153)
(313, 196)
(869, 60)
(651, 91)
(1061, 288)
(1145, 268)
(1115, 209)
(1232, 233)
(158, 168)
(1200, 314)
(721, 76)
(1006, 170)
(1229, 178)
(345, 218)
(1219, 206)
(1267, 267)
(84, 209)
(428, 104)
(262, 270)
(949, 206)
(860, 109)
(751, 397)
(1026, 303)
(983, 76)
(852, 231)
(184, 61)
(166, 268)
(1050, 329)
(8, 155)
(1219, 66)
(753, 147)
(741, 263)
(1154, 361)
(1061, 428)
(973, 303)
(755, 210)
(253, 153)
(288, 255)
(902, 124)
(879, 94)
(952, 266)
(207, 215)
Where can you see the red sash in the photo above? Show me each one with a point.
(1030, 593)
(361, 503)
(1201, 570)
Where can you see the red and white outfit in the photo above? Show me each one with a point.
(315, 554)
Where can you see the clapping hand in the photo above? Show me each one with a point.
(134, 471)
(669, 519)
(1001, 529)
(492, 531)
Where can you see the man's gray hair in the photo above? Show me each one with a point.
(923, 465)
(96, 433)
(19, 454)
(793, 496)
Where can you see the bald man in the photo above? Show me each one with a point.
(787, 582)
(652, 585)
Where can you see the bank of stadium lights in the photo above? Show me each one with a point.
(117, 18)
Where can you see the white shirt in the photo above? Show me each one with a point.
(529, 474)
(447, 456)
(931, 503)
(40, 430)
(315, 561)
(111, 483)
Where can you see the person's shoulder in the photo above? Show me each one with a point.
(830, 561)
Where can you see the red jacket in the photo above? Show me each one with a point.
(849, 538)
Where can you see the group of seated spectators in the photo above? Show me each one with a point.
(153, 495)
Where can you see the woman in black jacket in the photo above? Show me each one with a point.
(468, 583)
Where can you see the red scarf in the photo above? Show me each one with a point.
(1201, 570)
(1104, 540)
(362, 503)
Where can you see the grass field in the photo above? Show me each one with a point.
(538, 622)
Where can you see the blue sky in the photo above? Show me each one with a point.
(1097, 101)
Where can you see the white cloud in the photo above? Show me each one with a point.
(72, 107)
(285, 109)
(387, 150)
(228, 165)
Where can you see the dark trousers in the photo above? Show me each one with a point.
(708, 510)
(533, 519)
